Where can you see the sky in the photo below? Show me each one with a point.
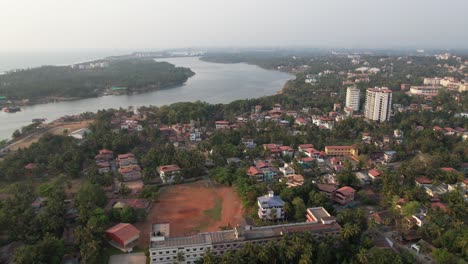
(37, 25)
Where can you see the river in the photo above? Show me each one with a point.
(212, 83)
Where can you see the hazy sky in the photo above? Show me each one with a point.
(153, 24)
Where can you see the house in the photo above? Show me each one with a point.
(327, 189)
(270, 206)
(293, 180)
(374, 174)
(130, 173)
(341, 151)
(436, 190)
(287, 170)
(123, 236)
(273, 149)
(104, 155)
(344, 195)
(248, 142)
(390, 156)
(222, 124)
(306, 162)
(103, 167)
(286, 151)
(195, 136)
(168, 173)
(302, 147)
(319, 215)
(312, 152)
(126, 160)
(300, 121)
(423, 181)
(255, 173)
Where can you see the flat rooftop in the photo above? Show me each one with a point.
(254, 233)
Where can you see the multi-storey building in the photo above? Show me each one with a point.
(425, 90)
(342, 151)
(164, 249)
(352, 98)
(270, 206)
(378, 104)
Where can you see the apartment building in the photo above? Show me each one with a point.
(352, 98)
(378, 104)
(270, 206)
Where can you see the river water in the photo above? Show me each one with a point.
(212, 83)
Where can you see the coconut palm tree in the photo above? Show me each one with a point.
(361, 256)
(349, 230)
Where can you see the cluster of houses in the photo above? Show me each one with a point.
(130, 171)
(103, 160)
(129, 121)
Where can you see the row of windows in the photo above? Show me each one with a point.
(175, 251)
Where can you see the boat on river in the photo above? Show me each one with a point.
(11, 109)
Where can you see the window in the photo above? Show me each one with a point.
(153, 253)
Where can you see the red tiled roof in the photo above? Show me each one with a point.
(305, 146)
(447, 169)
(124, 231)
(169, 168)
(222, 122)
(286, 148)
(253, 171)
(346, 190)
(423, 180)
(374, 173)
(126, 156)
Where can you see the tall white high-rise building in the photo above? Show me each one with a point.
(352, 98)
(378, 104)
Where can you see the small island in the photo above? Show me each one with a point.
(90, 79)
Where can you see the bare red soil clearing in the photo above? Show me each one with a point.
(185, 207)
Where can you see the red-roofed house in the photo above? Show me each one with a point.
(313, 153)
(123, 236)
(421, 181)
(344, 195)
(374, 174)
(222, 124)
(286, 151)
(256, 173)
(302, 147)
(168, 173)
(301, 121)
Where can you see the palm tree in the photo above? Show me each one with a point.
(349, 230)
(362, 256)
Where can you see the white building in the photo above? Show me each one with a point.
(352, 98)
(378, 104)
(269, 204)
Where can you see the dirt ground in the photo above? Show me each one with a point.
(55, 128)
(189, 208)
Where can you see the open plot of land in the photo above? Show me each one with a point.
(191, 208)
(53, 128)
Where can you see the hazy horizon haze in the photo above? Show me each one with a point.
(47, 25)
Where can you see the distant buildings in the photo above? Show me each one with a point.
(378, 104)
(425, 90)
(352, 98)
(342, 151)
(270, 206)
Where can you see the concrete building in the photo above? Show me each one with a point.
(425, 90)
(378, 104)
(344, 195)
(164, 249)
(352, 98)
(342, 151)
(270, 206)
